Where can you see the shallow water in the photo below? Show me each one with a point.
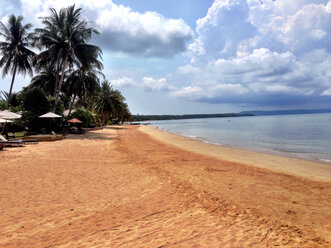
(306, 136)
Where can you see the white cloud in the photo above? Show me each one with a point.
(190, 92)
(279, 88)
(244, 51)
(326, 92)
(144, 83)
(291, 25)
(221, 30)
(318, 34)
(225, 89)
(260, 51)
(235, 27)
(261, 62)
(146, 34)
(188, 69)
(123, 82)
(261, 74)
(156, 84)
(209, 94)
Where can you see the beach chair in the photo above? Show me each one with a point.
(3, 139)
(7, 143)
(11, 143)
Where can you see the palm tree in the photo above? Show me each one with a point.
(64, 36)
(108, 102)
(3, 96)
(124, 113)
(16, 57)
(82, 82)
(48, 38)
(45, 80)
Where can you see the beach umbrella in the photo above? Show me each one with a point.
(74, 120)
(6, 114)
(50, 116)
(5, 125)
(5, 121)
(66, 112)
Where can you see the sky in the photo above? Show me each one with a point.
(205, 56)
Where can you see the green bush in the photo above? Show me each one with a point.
(34, 104)
(85, 116)
(3, 105)
(61, 105)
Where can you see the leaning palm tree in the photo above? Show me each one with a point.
(123, 113)
(65, 38)
(3, 96)
(45, 81)
(82, 82)
(108, 102)
(16, 56)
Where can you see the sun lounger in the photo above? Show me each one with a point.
(19, 141)
(11, 144)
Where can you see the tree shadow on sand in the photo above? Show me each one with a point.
(92, 136)
(115, 128)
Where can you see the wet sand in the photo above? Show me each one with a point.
(140, 187)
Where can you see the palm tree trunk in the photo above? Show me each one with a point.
(57, 76)
(104, 119)
(72, 104)
(11, 85)
(61, 80)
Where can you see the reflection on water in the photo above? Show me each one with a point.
(307, 136)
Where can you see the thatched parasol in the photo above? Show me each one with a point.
(5, 121)
(75, 120)
(7, 115)
(50, 115)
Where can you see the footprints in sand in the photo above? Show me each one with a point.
(165, 198)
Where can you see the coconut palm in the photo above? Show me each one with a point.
(108, 102)
(125, 113)
(45, 80)
(64, 36)
(3, 96)
(82, 82)
(16, 56)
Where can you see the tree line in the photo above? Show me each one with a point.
(188, 116)
(67, 71)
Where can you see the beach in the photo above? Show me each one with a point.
(136, 186)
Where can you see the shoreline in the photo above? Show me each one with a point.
(252, 149)
(292, 138)
(312, 169)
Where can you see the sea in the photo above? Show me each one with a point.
(305, 136)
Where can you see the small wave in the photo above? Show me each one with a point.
(212, 143)
(325, 160)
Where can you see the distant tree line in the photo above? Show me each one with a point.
(66, 73)
(192, 116)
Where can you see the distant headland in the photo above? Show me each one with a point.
(226, 115)
(287, 112)
(191, 116)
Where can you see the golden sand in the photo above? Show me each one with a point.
(140, 187)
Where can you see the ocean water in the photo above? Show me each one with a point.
(305, 136)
